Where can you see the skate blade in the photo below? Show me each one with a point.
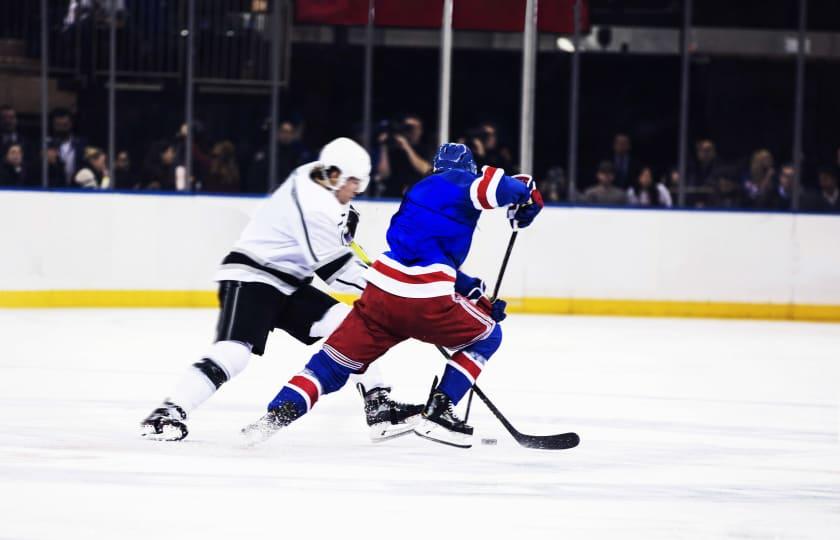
(256, 434)
(385, 431)
(434, 432)
(168, 432)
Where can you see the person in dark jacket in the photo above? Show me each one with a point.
(12, 171)
(827, 197)
(159, 167)
(727, 190)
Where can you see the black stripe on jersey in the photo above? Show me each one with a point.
(349, 284)
(303, 222)
(212, 371)
(333, 268)
(235, 257)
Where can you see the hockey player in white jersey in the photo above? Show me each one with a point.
(303, 229)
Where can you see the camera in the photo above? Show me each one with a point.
(393, 128)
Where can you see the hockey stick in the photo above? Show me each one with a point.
(560, 441)
(495, 296)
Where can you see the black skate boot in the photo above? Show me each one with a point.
(166, 423)
(439, 423)
(387, 418)
(272, 422)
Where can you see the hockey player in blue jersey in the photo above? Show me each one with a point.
(416, 290)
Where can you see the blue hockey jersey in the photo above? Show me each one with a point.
(430, 235)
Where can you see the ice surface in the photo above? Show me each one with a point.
(690, 429)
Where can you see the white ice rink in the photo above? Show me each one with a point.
(690, 429)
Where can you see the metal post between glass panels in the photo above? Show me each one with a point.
(529, 63)
(367, 98)
(189, 89)
(799, 111)
(685, 53)
(445, 72)
(44, 94)
(276, 42)
(112, 91)
(574, 102)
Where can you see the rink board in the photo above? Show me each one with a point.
(72, 249)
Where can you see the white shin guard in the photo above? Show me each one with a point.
(224, 360)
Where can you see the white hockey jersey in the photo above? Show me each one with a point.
(296, 234)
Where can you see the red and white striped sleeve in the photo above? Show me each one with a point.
(493, 190)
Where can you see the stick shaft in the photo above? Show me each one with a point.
(503, 269)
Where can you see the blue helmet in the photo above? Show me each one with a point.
(454, 156)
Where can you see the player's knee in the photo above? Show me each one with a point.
(224, 361)
(329, 373)
(330, 321)
(489, 345)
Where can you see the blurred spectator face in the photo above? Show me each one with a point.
(706, 152)
(621, 144)
(646, 178)
(605, 175)
(828, 182)
(786, 177)
(99, 162)
(674, 178)
(167, 157)
(414, 129)
(726, 184)
(223, 151)
(347, 192)
(285, 133)
(14, 155)
(8, 120)
(123, 162)
(490, 137)
(62, 126)
(761, 165)
(52, 155)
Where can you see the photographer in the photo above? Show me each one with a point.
(402, 157)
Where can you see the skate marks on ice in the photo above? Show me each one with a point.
(734, 437)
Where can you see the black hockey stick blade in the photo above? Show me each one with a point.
(560, 441)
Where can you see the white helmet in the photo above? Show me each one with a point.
(350, 158)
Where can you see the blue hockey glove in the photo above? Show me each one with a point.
(522, 215)
(498, 312)
(469, 287)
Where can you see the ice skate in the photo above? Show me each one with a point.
(166, 423)
(271, 422)
(386, 418)
(439, 423)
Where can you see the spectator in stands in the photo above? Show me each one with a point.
(93, 174)
(780, 196)
(159, 167)
(605, 192)
(200, 155)
(55, 167)
(644, 192)
(495, 154)
(291, 152)
(727, 191)
(223, 176)
(123, 176)
(759, 182)
(9, 128)
(404, 159)
(12, 170)
(71, 149)
(704, 165)
(555, 187)
(827, 197)
(623, 163)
